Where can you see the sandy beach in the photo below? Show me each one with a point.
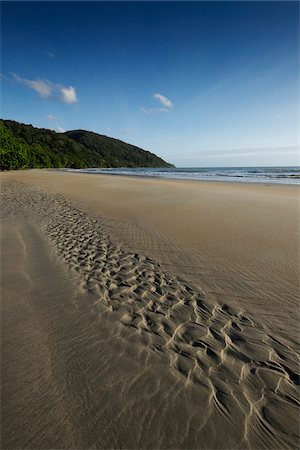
(148, 313)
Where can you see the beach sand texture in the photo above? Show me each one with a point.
(119, 332)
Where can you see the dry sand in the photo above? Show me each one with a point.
(142, 313)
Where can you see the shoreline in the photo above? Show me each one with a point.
(230, 181)
(148, 177)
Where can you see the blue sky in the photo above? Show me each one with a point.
(198, 83)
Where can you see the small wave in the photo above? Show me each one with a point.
(278, 175)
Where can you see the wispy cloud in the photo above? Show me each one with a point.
(50, 54)
(50, 117)
(166, 102)
(3, 77)
(126, 133)
(60, 130)
(163, 100)
(241, 152)
(154, 110)
(46, 89)
(269, 151)
(145, 110)
(43, 88)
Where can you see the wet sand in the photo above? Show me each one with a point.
(148, 313)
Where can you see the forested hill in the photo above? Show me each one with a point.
(116, 152)
(24, 146)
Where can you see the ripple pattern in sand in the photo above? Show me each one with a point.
(242, 368)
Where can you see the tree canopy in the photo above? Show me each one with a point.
(24, 146)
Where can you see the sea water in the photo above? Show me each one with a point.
(278, 175)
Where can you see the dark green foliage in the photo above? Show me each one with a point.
(115, 152)
(23, 146)
(14, 152)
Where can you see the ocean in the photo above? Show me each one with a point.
(277, 175)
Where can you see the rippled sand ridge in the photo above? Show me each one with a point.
(103, 348)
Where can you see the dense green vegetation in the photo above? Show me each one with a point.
(115, 152)
(23, 147)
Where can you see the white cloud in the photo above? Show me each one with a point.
(51, 117)
(163, 100)
(68, 95)
(43, 88)
(167, 105)
(60, 130)
(46, 89)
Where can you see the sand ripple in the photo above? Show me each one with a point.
(246, 374)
